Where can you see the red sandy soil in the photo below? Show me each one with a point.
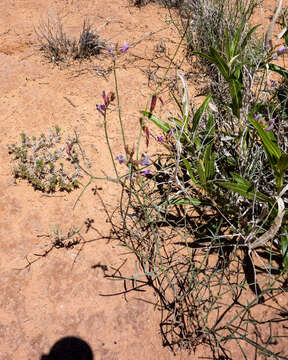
(61, 294)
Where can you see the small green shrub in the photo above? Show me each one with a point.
(43, 164)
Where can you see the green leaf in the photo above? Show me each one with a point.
(268, 139)
(185, 201)
(282, 163)
(175, 121)
(215, 58)
(236, 95)
(209, 162)
(220, 63)
(247, 191)
(205, 56)
(238, 74)
(209, 131)
(235, 41)
(177, 102)
(163, 125)
(247, 37)
(210, 124)
(189, 169)
(199, 113)
(279, 69)
(227, 46)
(241, 180)
(284, 248)
(201, 172)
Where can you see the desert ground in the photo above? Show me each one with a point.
(49, 295)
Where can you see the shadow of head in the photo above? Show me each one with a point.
(69, 348)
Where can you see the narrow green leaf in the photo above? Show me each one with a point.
(201, 172)
(238, 74)
(199, 113)
(282, 163)
(227, 45)
(240, 180)
(189, 169)
(209, 162)
(177, 102)
(209, 131)
(205, 56)
(279, 69)
(236, 95)
(221, 64)
(284, 248)
(246, 191)
(185, 201)
(269, 141)
(247, 37)
(197, 142)
(215, 58)
(235, 41)
(210, 124)
(163, 125)
(211, 170)
(174, 121)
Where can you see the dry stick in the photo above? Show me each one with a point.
(271, 233)
(70, 102)
(269, 32)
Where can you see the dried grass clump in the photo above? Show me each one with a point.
(58, 47)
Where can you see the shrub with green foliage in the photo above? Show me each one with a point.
(205, 217)
(39, 161)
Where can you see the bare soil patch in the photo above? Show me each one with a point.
(48, 295)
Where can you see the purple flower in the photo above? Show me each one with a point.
(146, 172)
(160, 139)
(275, 56)
(172, 132)
(101, 108)
(114, 49)
(146, 161)
(257, 117)
(104, 97)
(153, 103)
(120, 158)
(271, 125)
(111, 49)
(281, 50)
(125, 47)
(272, 82)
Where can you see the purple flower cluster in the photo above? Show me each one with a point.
(282, 50)
(120, 158)
(107, 100)
(160, 139)
(272, 82)
(257, 117)
(271, 125)
(271, 122)
(115, 50)
(144, 162)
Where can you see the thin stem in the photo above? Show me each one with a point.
(118, 104)
(108, 144)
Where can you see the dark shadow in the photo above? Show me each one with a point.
(250, 276)
(69, 348)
